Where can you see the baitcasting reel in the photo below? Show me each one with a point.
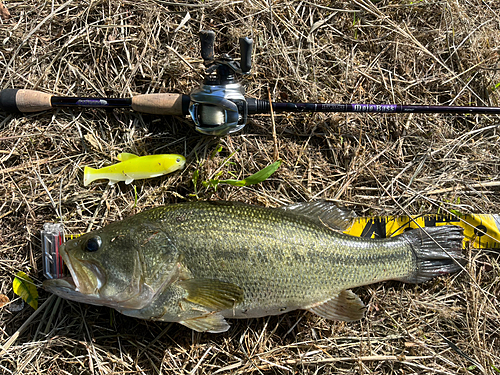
(219, 106)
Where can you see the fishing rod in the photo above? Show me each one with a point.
(218, 106)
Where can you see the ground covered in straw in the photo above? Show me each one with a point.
(413, 52)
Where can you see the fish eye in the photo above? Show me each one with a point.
(178, 160)
(93, 244)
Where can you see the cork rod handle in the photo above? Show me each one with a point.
(26, 101)
(161, 104)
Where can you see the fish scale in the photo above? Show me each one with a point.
(202, 262)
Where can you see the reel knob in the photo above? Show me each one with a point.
(246, 54)
(207, 39)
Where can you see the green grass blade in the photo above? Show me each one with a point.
(256, 178)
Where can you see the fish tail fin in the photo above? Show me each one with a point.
(438, 251)
(88, 175)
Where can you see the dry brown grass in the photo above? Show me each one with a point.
(420, 52)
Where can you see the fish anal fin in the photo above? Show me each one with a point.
(212, 294)
(213, 323)
(347, 306)
(124, 156)
(324, 212)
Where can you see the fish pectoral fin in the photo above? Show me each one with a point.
(213, 323)
(124, 156)
(212, 294)
(323, 212)
(347, 306)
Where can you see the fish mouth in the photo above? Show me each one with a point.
(84, 281)
(66, 283)
(65, 287)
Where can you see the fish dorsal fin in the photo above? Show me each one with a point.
(124, 156)
(212, 294)
(324, 212)
(213, 323)
(347, 306)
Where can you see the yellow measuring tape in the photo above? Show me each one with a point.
(480, 231)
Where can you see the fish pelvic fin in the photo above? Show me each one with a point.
(88, 175)
(438, 251)
(212, 323)
(209, 296)
(346, 306)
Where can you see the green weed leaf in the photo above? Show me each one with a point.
(263, 174)
(196, 174)
(135, 196)
(256, 178)
(24, 287)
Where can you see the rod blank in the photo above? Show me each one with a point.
(256, 106)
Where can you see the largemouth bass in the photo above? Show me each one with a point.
(200, 263)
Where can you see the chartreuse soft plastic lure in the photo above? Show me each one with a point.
(133, 167)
